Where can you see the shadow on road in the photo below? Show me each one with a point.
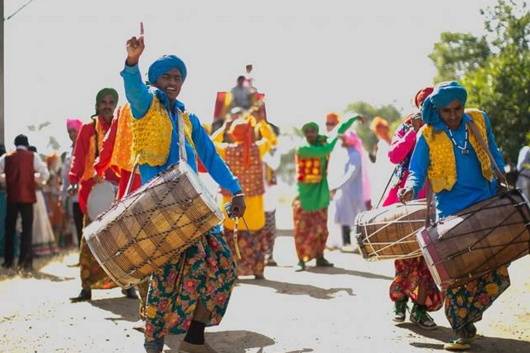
(229, 341)
(481, 344)
(343, 271)
(12, 273)
(126, 308)
(297, 289)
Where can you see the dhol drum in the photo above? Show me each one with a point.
(152, 226)
(390, 232)
(100, 199)
(477, 240)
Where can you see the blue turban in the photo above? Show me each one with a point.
(442, 96)
(164, 64)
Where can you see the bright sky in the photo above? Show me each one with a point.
(310, 57)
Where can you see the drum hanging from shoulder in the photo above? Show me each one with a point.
(390, 232)
(100, 199)
(152, 226)
(477, 240)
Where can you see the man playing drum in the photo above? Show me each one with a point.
(460, 173)
(83, 176)
(412, 279)
(193, 291)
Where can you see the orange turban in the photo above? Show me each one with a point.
(332, 118)
(378, 121)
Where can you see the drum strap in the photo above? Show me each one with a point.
(94, 121)
(500, 175)
(131, 178)
(474, 130)
(386, 187)
(428, 217)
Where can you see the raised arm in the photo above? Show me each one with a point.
(325, 150)
(136, 91)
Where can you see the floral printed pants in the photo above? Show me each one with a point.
(413, 280)
(252, 249)
(269, 233)
(204, 273)
(465, 304)
(310, 232)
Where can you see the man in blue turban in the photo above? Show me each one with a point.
(449, 156)
(193, 291)
(439, 100)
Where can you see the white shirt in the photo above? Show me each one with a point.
(38, 166)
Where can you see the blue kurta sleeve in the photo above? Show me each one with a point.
(419, 163)
(136, 91)
(492, 144)
(211, 159)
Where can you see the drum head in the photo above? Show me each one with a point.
(100, 199)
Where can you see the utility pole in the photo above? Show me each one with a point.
(2, 96)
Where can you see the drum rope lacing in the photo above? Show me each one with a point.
(377, 253)
(517, 209)
(134, 241)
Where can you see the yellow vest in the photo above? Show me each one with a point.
(442, 168)
(152, 134)
(122, 152)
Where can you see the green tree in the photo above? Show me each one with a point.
(498, 83)
(368, 111)
(458, 53)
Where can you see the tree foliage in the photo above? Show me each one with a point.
(499, 82)
(457, 53)
(368, 111)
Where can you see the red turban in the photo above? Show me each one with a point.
(421, 95)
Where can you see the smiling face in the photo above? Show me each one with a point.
(170, 83)
(452, 114)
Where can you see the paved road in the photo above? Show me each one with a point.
(343, 309)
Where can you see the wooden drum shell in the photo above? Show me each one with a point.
(390, 232)
(152, 226)
(477, 240)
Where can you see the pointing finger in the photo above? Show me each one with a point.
(141, 28)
